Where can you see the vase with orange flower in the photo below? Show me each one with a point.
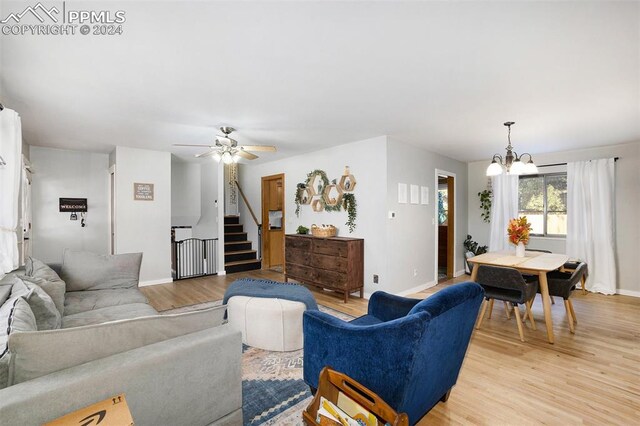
(519, 230)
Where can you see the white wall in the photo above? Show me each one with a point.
(144, 226)
(76, 174)
(207, 225)
(367, 160)
(411, 236)
(627, 206)
(185, 192)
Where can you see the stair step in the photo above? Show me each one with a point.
(235, 236)
(236, 245)
(231, 220)
(232, 256)
(242, 265)
(235, 227)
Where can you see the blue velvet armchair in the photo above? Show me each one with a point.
(408, 351)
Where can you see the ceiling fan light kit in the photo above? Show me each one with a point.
(227, 149)
(513, 163)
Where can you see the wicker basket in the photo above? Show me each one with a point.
(324, 231)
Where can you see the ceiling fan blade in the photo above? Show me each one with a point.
(184, 144)
(263, 148)
(246, 155)
(206, 154)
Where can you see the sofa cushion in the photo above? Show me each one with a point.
(108, 313)
(69, 347)
(82, 270)
(5, 291)
(55, 288)
(15, 316)
(83, 301)
(41, 274)
(37, 268)
(44, 310)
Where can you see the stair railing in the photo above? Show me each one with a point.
(255, 219)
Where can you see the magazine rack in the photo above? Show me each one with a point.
(332, 382)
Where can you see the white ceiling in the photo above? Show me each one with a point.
(303, 75)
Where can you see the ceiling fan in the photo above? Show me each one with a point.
(228, 150)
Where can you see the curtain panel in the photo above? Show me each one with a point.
(10, 174)
(503, 208)
(591, 220)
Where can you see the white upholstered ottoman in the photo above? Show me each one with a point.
(271, 324)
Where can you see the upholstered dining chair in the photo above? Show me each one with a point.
(506, 284)
(571, 266)
(562, 284)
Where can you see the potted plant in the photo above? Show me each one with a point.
(302, 230)
(472, 248)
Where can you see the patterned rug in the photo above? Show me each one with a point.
(273, 392)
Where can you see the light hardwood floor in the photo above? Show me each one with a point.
(590, 377)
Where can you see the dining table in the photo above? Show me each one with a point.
(533, 263)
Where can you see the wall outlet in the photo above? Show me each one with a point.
(375, 278)
(415, 272)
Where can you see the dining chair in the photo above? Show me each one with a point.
(508, 285)
(562, 284)
(571, 266)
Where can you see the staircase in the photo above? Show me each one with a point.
(238, 254)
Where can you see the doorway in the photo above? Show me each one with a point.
(273, 220)
(445, 226)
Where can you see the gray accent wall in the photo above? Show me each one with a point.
(76, 174)
(368, 163)
(411, 237)
(144, 226)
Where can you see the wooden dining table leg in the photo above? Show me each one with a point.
(546, 304)
(474, 272)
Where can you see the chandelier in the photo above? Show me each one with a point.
(512, 163)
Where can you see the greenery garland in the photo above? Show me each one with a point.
(350, 205)
(348, 199)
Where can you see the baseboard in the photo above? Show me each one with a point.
(223, 272)
(417, 289)
(154, 282)
(633, 293)
(458, 273)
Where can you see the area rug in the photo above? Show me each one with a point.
(273, 392)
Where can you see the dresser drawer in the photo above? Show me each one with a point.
(301, 273)
(330, 247)
(298, 256)
(332, 263)
(303, 243)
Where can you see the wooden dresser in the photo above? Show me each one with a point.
(335, 263)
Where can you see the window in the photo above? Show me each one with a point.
(543, 199)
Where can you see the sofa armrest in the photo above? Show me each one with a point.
(191, 379)
(387, 307)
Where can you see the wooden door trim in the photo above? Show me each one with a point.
(451, 224)
(451, 220)
(265, 218)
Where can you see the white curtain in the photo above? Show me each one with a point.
(10, 173)
(591, 220)
(504, 207)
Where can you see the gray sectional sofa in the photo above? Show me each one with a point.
(82, 332)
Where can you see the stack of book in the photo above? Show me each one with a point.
(346, 412)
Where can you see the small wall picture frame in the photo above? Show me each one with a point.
(143, 191)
